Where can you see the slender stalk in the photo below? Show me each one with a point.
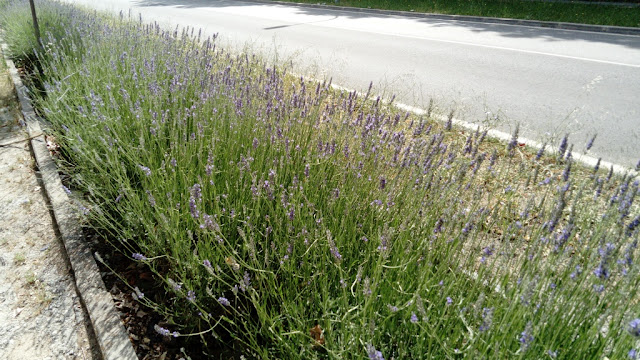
(36, 28)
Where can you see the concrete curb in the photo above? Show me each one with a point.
(620, 30)
(110, 332)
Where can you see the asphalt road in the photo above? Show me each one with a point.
(549, 81)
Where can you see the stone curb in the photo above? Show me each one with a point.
(620, 30)
(110, 332)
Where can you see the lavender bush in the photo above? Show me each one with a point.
(289, 220)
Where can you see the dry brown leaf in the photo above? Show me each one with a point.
(231, 262)
(317, 336)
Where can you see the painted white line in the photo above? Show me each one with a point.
(331, 23)
(482, 45)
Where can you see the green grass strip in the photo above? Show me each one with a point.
(580, 13)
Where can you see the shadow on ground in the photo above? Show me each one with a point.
(511, 31)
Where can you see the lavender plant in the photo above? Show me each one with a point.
(286, 219)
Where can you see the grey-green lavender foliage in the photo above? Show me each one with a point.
(269, 205)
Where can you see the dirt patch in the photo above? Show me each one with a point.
(40, 312)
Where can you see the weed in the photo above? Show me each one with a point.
(31, 278)
(19, 259)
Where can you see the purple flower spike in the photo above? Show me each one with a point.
(513, 143)
(373, 353)
(541, 151)
(634, 327)
(526, 338)
(193, 208)
(563, 146)
(138, 256)
(224, 301)
(196, 192)
(162, 331)
(414, 318)
(145, 169)
(590, 143)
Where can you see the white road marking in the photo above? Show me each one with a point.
(486, 46)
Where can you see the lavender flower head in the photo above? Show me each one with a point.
(590, 142)
(196, 192)
(514, 139)
(193, 208)
(137, 294)
(174, 285)
(541, 151)
(145, 169)
(526, 337)
(224, 301)
(246, 281)
(138, 256)
(487, 319)
(634, 327)
(633, 225)
(165, 332)
(563, 146)
(373, 353)
(162, 331)
(414, 318)
(333, 248)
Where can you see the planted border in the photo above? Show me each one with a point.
(285, 219)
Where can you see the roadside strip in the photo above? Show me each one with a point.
(503, 136)
(110, 332)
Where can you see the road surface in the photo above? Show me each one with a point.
(549, 81)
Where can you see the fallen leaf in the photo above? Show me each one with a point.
(231, 262)
(317, 336)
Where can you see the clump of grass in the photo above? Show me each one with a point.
(289, 220)
(19, 259)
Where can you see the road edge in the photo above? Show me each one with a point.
(584, 159)
(619, 30)
(110, 332)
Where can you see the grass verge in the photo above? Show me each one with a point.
(594, 14)
(285, 219)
